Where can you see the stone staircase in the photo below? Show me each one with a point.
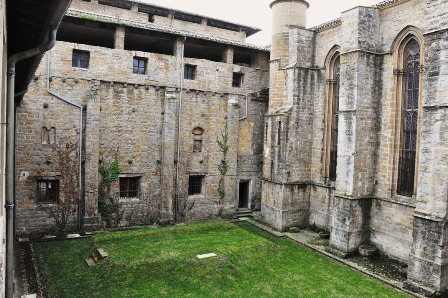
(243, 212)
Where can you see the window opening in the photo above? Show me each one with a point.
(80, 59)
(139, 65)
(237, 80)
(409, 118)
(195, 185)
(189, 72)
(129, 187)
(335, 118)
(48, 190)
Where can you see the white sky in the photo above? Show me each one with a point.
(257, 13)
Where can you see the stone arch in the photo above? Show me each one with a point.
(410, 35)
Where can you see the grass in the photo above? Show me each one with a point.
(162, 263)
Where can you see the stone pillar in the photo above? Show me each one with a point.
(229, 204)
(168, 153)
(428, 263)
(91, 156)
(228, 55)
(120, 33)
(358, 135)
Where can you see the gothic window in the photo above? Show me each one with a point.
(409, 119)
(332, 117)
(197, 139)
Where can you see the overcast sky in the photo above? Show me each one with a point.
(257, 13)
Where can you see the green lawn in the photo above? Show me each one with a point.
(162, 263)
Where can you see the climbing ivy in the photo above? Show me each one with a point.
(223, 166)
(109, 206)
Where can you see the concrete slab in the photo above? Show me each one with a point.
(206, 256)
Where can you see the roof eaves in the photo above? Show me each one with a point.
(158, 28)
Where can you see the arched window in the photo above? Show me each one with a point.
(409, 125)
(332, 115)
(197, 139)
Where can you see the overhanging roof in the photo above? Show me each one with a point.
(28, 22)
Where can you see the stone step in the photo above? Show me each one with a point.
(243, 213)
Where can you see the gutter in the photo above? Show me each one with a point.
(80, 107)
(10, 148)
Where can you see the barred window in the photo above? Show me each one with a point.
(189, 72)
(48, 190)
(129, 187)
(80, 59)
(195, 185)
(139, 65)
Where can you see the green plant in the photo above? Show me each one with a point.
(223, 166)
(109, 206)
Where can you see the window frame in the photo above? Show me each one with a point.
(402, 80)
(48, 198)
(195, 185)
(330, 142)
(77, 56)
(190, 72)
(237, 80)
(125, 183)
(138, 67)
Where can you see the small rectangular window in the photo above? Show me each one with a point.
(48, 190)
(80, 59)
(237, 80)
(195, 185)
(129, 187)
(139, 66)
(189, 72)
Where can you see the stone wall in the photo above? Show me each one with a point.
(134, 118)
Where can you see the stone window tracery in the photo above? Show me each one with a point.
(409, 125)
(330, 150)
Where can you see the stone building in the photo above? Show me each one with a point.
(356, 139)
(352, 139)
(154, 88)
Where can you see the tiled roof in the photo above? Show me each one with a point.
(326, 25)
(158, 28)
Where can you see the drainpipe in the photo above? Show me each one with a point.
(80, 138)
(176, 183)
(10, 138)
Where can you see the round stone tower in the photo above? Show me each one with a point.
(285, 13)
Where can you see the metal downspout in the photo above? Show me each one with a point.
(80, 137)
(10, 139)
(176, 183)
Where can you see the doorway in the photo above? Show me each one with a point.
(243, 195)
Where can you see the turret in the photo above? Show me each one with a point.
(285, 13)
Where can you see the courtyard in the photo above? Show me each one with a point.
(162, 262)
